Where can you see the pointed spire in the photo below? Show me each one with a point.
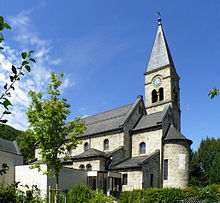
(160, 55)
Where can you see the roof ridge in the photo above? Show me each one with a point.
(107, 111)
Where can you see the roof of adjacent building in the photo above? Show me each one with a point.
(174, 134)
(133, 162)
(91, 152)
(9, 146)
(148, 121)
(106, 121)
(160, 55)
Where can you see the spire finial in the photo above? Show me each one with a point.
(159, 18)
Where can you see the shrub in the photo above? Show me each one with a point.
(171, 195)
(209, 193)
(80, 193)
(83, 194)
(132, 196)
(12, 194)
(101, 198)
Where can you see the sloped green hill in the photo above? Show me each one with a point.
(9, 133)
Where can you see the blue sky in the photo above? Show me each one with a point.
(103, 48)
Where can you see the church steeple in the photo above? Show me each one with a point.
(161, 79)
(160, 55)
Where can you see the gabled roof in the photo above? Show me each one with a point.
(160, 55)
(91, 152)
(9, 146)
(110, 120)
(148, 121)
(174, 134)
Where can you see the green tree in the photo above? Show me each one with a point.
(27, 144)
(47, 119)
(205, 164)
(9, 133)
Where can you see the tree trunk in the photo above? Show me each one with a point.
(57, 189)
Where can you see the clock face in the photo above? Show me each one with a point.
(157, 81)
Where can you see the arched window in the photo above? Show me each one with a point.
(86, 146)
(142, 148)
(82, 167)
(88, 167)
(154, 96)
(161, 95)
(106, 144)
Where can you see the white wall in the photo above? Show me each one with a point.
(68, 177)
(27, 176)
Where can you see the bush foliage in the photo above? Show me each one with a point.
(80, 193)
(172, 195)
(12, 194)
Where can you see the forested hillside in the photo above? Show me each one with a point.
(9, 133)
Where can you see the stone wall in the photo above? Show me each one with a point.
(97, 164)
(151, 171)
(134, 180)
(165, 74)
(152, 140)
(177, 154)
(115, 140)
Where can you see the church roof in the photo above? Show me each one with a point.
(160, 55)
(91, 152)
(132, 162)
(148, 121)
(106, 121)
(9, 146)
(174, 134)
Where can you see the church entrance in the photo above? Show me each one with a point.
(108, 182)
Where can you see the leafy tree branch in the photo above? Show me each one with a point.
(16, 74)
(214, 92)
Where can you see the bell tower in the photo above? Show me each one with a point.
(161, 79)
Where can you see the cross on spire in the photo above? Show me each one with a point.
(159, 18)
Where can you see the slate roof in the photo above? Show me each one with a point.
(91, 152)
(174, 134)
(106, 121)
(160, 55)
(148, 121)
(133, 162)
(9, 146)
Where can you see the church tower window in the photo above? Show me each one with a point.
(154, 96)
(106, 144)
(161, 94)
(142, 148)
(82, 167)
(88, 167)
(86, 146)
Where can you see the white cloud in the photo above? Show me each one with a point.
(26, 39)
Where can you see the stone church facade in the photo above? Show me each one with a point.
(139, 145)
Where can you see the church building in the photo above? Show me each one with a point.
(139, 145)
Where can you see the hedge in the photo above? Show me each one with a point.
(171, 195)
